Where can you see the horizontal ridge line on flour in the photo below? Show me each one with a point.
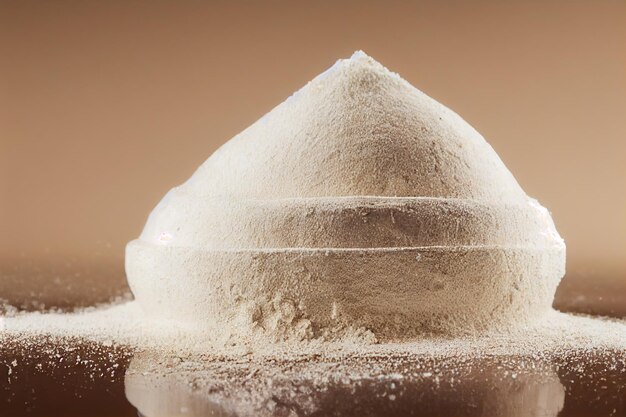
(360, 249)
(358, 198)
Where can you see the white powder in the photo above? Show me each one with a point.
(358, 211)
(358, 208)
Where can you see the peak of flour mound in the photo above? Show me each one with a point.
(357, 130)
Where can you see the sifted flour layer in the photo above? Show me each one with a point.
(246, 293)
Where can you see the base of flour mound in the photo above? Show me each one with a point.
(125, 325)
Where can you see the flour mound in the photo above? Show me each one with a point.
(358, 208)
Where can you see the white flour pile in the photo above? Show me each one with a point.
(358, 207)
(359, 210)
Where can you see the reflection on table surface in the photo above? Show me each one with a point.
(46, 378)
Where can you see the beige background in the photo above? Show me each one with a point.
(104, 106)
